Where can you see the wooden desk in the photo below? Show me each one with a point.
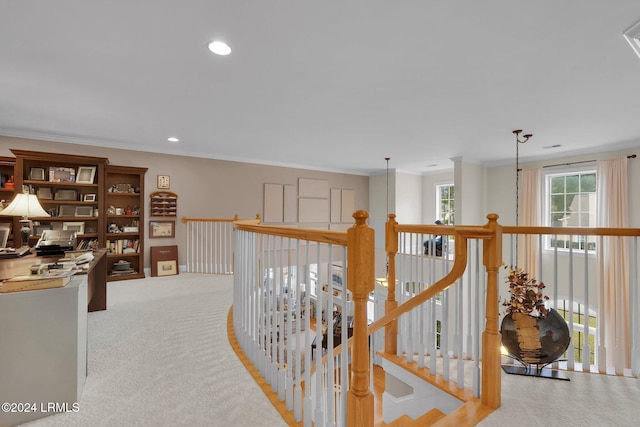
(96, 276)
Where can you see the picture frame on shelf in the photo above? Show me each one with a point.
(38, 229)
(67, 210)
(84, 211)
(61, 174)
(78, 227)
(66, 194)
(86, 174)
(89, 197)
(45, 193)
(122, 187)
(162, 229)
(167, 268)
(4, 236)
(37, 174)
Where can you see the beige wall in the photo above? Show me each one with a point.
(409, 198)
(206, 188)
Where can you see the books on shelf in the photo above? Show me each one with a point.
(123, 246)
(50, 279)
(85, 244)
(123, 272)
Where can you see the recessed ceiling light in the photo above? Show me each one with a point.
(173, 139)
(633, 37)
(219, 48)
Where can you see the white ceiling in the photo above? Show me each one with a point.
(329, 85)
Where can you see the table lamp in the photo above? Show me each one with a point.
(24, 205)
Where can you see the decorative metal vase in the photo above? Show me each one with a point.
(535, 340)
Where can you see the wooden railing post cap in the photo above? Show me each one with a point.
(493, 217)
(392, 217)
(361, 218)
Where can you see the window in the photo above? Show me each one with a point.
(445, 203)
(571, 202)
(583, 318)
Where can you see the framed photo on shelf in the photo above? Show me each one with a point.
(78, 227)
(60, 174)
(67, 210)
(89, 197)
(45, 193)
(38, 229)
(86, 174)
(37, 174)
(66, 194)
(162, 229)
(84, 211)
(4, 236)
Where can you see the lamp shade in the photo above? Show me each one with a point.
(24, 205)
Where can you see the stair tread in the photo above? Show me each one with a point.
(426, 375)
(469, 413)
(427, 419)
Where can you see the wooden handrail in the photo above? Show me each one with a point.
(314, 235)
(187, 219)
(459, 266)
(508, 229)
(582, 231)
(235, 218)
(491, 233)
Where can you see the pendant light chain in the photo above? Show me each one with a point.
(518, 142)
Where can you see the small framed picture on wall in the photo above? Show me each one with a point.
(164, 182)
(162, 229)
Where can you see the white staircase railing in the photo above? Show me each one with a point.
(287, 291)
(210, 244)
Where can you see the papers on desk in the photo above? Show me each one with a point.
(49, 279)
(14, 253)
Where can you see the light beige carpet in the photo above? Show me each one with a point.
(588, 400)
(159, 356)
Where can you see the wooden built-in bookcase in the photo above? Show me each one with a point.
(105, 202)
(124, 218)
(7, 173)
(69, 188)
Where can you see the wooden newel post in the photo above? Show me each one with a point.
(391, 247)
(360, 281)
(492, 259)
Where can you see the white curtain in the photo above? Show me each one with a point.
(613, 289)
(531, 215)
